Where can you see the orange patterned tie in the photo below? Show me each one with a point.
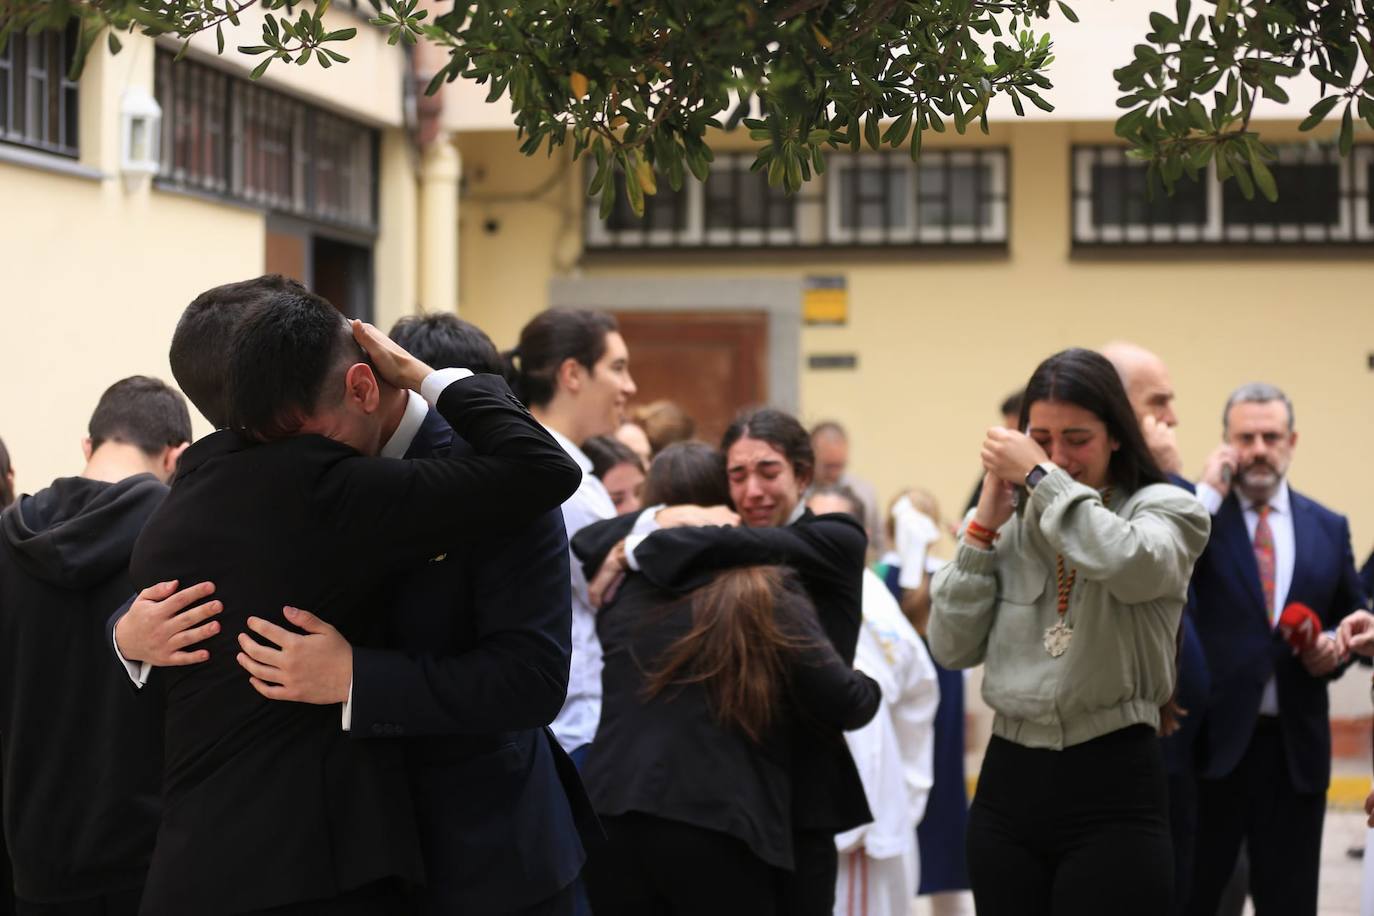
(1264, 556)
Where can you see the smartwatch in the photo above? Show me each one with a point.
(1037, 474)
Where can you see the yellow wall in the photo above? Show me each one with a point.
(942, 338)
(97, 273)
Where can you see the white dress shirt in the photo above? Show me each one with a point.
(1285, 552)
(576, 723)
(417, 406)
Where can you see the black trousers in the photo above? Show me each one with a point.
(380, 898)
(121, 903)
(1183, 792)
(809, 889)
(651, 866)
(1080, 831)
(1281, 828)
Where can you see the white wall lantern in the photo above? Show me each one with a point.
(140, 136)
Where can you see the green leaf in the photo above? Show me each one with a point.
(1223, 10)
(607, 199)
(1068, 13)
(1264, 179)
(114, 43)
(1319, 111)
(261, 68)
(1347, 140)
(219, 38)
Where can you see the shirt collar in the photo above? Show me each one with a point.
(797, 513)
(573, 451)
(417, 408)
(1278, 503)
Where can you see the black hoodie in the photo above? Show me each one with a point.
(81, 751)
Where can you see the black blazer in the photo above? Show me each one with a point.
(475, 666)
(827, 552)
(1244, 651)
(270, 803)
(670, 757)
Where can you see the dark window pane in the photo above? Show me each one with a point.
(953, 195)
(1309, 194)
(1120, 198)
(875, 195)
(666, 210)
(228, 136)
(740, 199)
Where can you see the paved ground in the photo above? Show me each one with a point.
(1341, 875)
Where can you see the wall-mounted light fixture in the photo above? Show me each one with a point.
(140, 136)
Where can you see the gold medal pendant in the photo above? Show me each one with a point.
(1057, 639)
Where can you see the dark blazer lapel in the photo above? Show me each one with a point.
(1230, 527)
(433, 436)
(1306, 540)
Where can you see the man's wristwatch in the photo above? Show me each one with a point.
(1037, 474)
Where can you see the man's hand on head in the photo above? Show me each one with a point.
(1162, 443)
(162, 624)
(315, 667)
(389, 358)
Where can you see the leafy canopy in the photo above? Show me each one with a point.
(638, 83)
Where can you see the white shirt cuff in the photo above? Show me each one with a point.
(348, 709)
(631, 543)
(1211, 500)
(647, 523)
(435, 383)
(138, 671)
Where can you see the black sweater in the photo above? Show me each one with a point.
(670, 757)
(82, 753)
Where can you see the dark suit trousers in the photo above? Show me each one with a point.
(122, 903)
(1282, 830)
(651, 866)
(809, 889)
(380, 898)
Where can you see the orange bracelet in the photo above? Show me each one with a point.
(983, 534)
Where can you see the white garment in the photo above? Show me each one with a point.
(894, 755)
(1285, 553)
(915, 532)
(581, 713)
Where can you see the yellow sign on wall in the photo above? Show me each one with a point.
(825, 300)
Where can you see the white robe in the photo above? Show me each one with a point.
(878, 861)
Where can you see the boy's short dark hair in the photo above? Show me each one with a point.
(141, 411)
(283, 357)
(442, 340)
(201, 342)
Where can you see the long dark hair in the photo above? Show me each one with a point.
(549, 339)
(1085, 379)
(737, 649)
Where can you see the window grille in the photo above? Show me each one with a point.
(1323, 199)
(38, 104)
(866, 199)
(236, 139)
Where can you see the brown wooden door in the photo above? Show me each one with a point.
(711, 363)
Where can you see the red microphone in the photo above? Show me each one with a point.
(1300, 626)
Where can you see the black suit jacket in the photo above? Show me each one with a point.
(669, 755)
(269, 803)
(475, 666)
(1244, 651)
(1194, 683)
(827, 552)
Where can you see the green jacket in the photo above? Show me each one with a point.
(1133, 560)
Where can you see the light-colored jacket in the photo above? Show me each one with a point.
(1133, 560)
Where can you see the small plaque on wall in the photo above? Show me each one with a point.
(832, 361)
(825, 300)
